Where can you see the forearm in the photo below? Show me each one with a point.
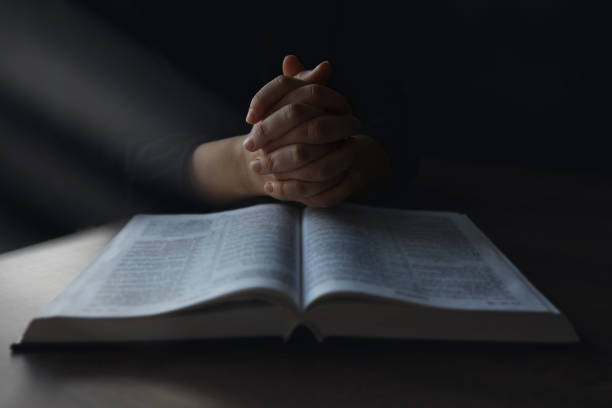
(219, 173)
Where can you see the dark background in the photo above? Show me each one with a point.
(83, 82)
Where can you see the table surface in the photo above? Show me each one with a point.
(555, 226)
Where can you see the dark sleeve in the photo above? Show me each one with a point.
(160, 168)
(158, 148)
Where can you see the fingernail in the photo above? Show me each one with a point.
(250, 117)
(269, 187)
(256, 165)
(249, 144)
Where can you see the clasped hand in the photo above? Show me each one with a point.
(305, 143)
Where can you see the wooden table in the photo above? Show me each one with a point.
(555, 226)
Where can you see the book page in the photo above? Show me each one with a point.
(434, 259)
(160, 263)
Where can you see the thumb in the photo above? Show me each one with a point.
(294, 68)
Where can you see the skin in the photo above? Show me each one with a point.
(304, 146)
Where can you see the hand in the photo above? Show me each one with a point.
(307, 138)
(292, 68)
(219, 170)
(300, 107)
(357, 165)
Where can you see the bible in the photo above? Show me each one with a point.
(262, 271)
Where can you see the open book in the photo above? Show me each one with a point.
(262, 271)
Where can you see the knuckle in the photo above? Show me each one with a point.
(279, 190)
(283, 190)
(293, 111)
(315, 130)
(315, 91)
(259, 132)
(281, 81)
(300, 153)
(290, 112)
(267, 162)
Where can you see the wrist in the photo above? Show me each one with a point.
(220, 174)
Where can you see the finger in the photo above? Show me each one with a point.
(269, 94)
(319, 75)
(337, 194)
(288, 158)
(292, 65)
(279, 123)
(319, 130)
(297, 190)
(281, 85)
(316, 95)
(327, 167)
